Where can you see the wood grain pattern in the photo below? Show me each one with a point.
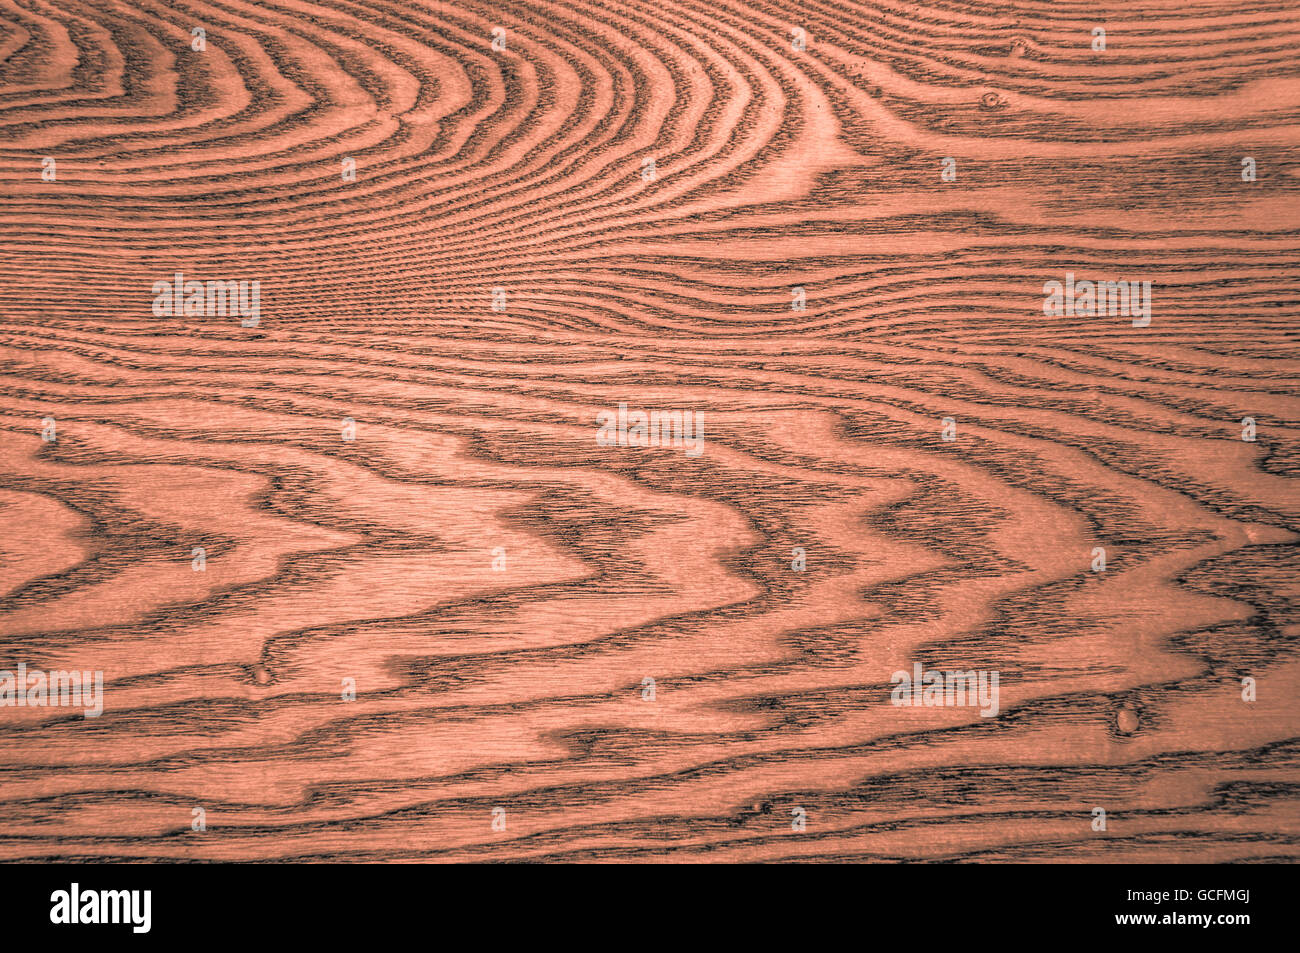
(521, 688)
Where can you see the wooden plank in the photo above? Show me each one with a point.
(466, 266)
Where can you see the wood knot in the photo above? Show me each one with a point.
(1126, 720)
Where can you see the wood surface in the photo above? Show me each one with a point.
(522, 688)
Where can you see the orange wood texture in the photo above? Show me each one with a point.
(498, 584)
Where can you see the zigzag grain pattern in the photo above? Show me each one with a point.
(521, 169)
